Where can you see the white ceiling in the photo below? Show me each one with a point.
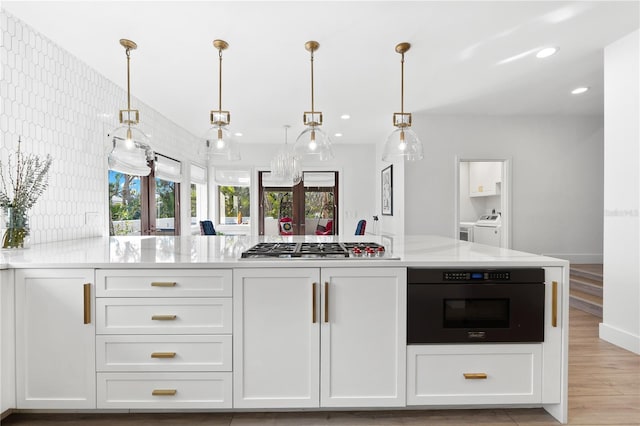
(456, 64)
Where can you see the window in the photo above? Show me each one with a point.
(132, 211)
(198, 197)
(312, 205)
(233, 197)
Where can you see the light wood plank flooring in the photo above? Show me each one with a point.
(604, 389)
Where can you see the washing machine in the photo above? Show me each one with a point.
(488, 230)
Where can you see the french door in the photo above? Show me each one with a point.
(311, 207)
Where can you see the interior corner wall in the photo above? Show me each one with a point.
(60, 106)
(556, 170)
(621, 307)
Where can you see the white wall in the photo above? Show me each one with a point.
(556, 174)
(621, 310)
(60, 106)
(355, 164)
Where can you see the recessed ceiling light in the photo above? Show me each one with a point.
(237, 134)
(579, 90)
(338, 135)
(345, 116)
(546, 52)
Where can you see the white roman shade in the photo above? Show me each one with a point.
(228, 177)
(270, 181)
(319, 179)
(168, 169)
(198, 174)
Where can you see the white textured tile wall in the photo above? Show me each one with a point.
(61, 106)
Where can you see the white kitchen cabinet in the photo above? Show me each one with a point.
(554, 333)
(164, 338)
(7, 342)
(474, 374)
(55, 333)
(484, 177)
(308, 337)
(276, 353)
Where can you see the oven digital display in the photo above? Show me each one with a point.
(477, 275)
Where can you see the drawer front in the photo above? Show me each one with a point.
(164, 283)
(163, 316)
(164, 390)
(163, 353)
(473, 374)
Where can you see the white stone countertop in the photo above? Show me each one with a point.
(225, 251)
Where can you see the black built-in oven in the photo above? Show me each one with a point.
(475, 305)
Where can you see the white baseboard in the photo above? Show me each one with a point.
(620, 338)
(578, 258)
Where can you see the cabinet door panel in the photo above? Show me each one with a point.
(55, 349)
(363, 343)
(276, 343)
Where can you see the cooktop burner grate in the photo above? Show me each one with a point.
(314, 250)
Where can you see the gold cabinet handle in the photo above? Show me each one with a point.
(314, 314)
(474, 376)
(86, 288)
(554, 304)
(326, 301)
(163, 317)
(164, 392)
(163, 355)
(163, 284)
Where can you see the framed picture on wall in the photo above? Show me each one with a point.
(387, 191)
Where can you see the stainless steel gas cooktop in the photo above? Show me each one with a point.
(329, 250)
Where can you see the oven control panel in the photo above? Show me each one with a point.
(476, 276)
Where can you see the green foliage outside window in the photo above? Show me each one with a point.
(239, 193)
(124, 197)
(165, 199)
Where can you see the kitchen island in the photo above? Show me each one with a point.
(179, 323)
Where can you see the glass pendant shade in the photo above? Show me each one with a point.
(131, 152)
(403, 143)
(220, 143)
(285, 166)
(313, 143)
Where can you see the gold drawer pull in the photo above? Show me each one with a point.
(163, 317)
(163, 355)
(475, 376)
(163, 284)
(164, 392)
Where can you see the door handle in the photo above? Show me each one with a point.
(163, 317)
(86, 289)
(554, 304)
(314, 314)
(163, 355)
(474, 376)
(163, 284)
(326, 301)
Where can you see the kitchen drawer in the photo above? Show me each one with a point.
(163, 283)
(164, 390)
(436, 374)
(163, 316)
(163, 353)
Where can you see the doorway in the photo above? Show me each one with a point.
(482, 201)
(308, 208)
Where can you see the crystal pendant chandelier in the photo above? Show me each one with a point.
(285, 166)
(402, 142)
(218, 139)
(131, 152)
(313, 142)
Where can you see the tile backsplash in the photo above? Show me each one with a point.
(58, 105)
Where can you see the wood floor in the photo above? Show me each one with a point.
(604, 389)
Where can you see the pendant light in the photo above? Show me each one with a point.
(313, 142)
(402, 142)
(218, 139)
(131, 152)
(285, 165)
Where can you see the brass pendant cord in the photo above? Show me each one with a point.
(128, 51)
(220, 80)
(402, 85)
(312, 110)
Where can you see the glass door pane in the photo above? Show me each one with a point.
(165, 197)
(124, 204)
